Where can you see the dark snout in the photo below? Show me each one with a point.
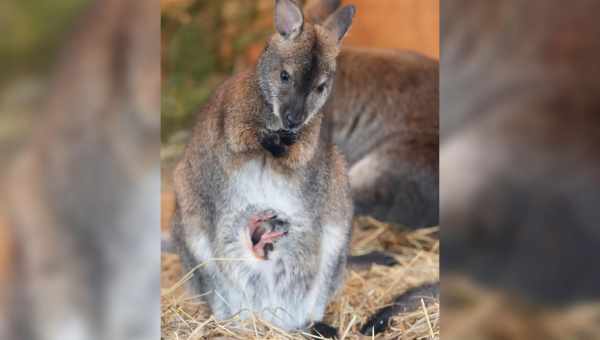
(293, 116)
(292, 121)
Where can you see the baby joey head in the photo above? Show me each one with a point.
(297, 68)
(264, 229)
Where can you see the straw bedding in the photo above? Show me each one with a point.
(365, 291)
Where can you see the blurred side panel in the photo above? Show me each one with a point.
(520, 169)
(80, 217)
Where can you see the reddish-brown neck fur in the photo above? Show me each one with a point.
(244, 120)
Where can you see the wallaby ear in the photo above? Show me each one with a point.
(340, 21)
(288, 18)
(317, 11)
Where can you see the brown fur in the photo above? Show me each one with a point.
(383, 114)
(231, 123)
(389, 125)
(319, 10)
(244, 121)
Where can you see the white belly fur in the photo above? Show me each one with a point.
(260, 186)
(257, 184)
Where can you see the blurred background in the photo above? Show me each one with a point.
(79, 174)
(520, 169)
(33, 33)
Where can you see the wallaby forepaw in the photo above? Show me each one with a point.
(271, 141)
(288, 137)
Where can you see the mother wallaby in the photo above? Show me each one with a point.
(262, 185)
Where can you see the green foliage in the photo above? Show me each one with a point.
(190, 57)
(203, 42)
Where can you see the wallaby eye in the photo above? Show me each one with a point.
(321, 87)
(285, 77)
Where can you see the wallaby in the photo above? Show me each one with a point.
(383, 115)
(83, 198)
(262, 195)
(520, 135)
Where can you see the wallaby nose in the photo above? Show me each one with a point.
(292, 120)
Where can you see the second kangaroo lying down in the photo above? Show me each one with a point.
(383, 115)
(262, 186)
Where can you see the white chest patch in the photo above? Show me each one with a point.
(282, 301)
(258, 184)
